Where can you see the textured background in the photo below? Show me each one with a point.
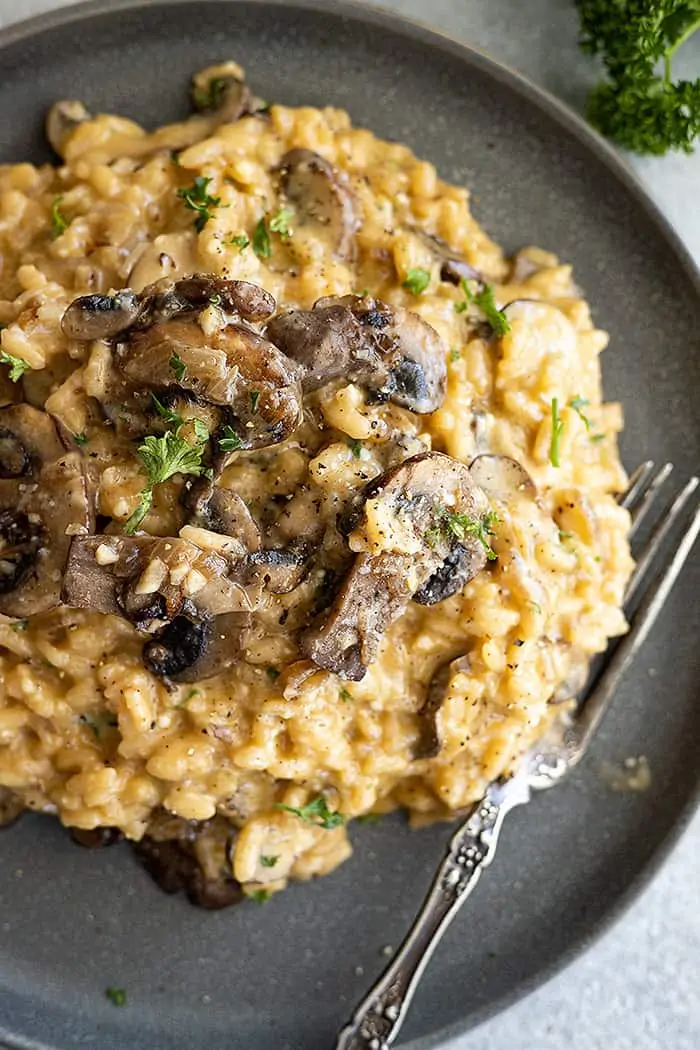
(639, 987)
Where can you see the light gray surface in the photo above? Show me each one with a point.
(638, 988)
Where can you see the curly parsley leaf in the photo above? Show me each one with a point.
(211, 96)
(198, 199)
(229, 441)
(461, 525)
(261, 240)
(417, 280)
(486, 302)
(639, 106)
(117, 996)
(177, 366)
(557, 428)
(239, 241)
(80, 439)
(260, 896)
(279, 223)
(18, 366)
(316, 812)
(268, 862)
(355, 447)
(162, 458)
(166, 413)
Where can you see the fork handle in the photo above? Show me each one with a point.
(378, 1019)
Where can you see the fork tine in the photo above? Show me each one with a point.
(648, 494)
(596, 703)
(668, 519)
(637, 482)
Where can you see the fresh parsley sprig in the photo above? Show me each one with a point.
(417, 280)
(59, 223)
(18, 366)
(639, 106)
(198, 199)
(162, 458)
(316, 812)
(486, 302)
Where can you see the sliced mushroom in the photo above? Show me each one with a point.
(406, 521)
(278, 571)
(452, 267)
(321, 200)
(101, 316)
(192, 651)
(365, 340)
(151, 581)
(501, 477)
(429, 743)
(460, 565)
(222, 510)
(221, 91)
(46, 495)
(248, 300)
(96, 838)
(63, 118)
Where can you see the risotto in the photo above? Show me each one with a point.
(308, 494)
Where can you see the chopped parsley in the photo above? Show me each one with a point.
(537, 607)
(19, 625)
(595, 438)
(80, 439)
(18, 366)
(259, 896)
(162, 458)
(417, 280)
(239, 241)
(272, 673)
(345, 695)
(455, 354)
(97, 723)
(316, 812)
(59, 223)
(462, 525)
(254, 398)
(486, 302)
(578, 403)
(557, 428)
(355, 447)
(197, 198)
(177, 366)
(261, 240)
(201, 431)
(117, 996)
(229, 441)
(279, 223)
(268, 862)
(211, 96)
(166, 413)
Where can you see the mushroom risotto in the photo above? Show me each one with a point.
(308, 501)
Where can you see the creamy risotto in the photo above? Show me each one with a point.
(308, 500)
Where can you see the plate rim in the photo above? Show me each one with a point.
(363, 12)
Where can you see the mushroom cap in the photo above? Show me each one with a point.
(321, 200)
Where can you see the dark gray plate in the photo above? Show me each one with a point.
(283, 976)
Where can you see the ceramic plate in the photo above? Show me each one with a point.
(283, 976)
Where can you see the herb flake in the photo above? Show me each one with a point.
(261, 240)
(557, 428)
(239, 241)
(162, 458)
(279, 223)
(229, 440)
(417, 280)
(59, 223)
(117, 996)
(18, 366)
(578, 403)
(316, 812)
(486, 302)
(268, 862)
(198, 199)
(177, 366)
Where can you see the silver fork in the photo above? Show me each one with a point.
(378, 1019)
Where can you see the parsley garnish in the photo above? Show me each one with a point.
(595, 438)
(18, 366)
(455, 354)
(116, 996)
(345, 695)
(355, 447)
(97, 723)
(557, 427)
(279, 223)
(201, 431)
(254, 398)
(462, 525)
(578, 404)
(59, 223)
(162, 458)
(19, 625)
(537, 607)
(230, 441)
(80, 439)
(166, 413)
(177, 366)
(486, 302)
(272, 673)
(316, 812)
(417, 280)
(268, 862)
(639, 106)
(211, 96)
(261, 240)
(260, 896)
(240, 241)
(197, 198)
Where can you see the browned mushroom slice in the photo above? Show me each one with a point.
(321, 200)
(242, 297)
(101, 316)
(407, 531)
(366, 340)
(453, 268)
(501, 477)
(222, 93)
(429, 742)
(189, 650)
(63, 118)
(45, 495)
(222, 510)
(150, 581)
(232, 366)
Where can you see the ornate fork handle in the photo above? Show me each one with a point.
(378, 1019)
